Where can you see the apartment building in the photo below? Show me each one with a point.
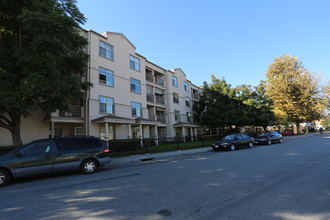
(131, 97)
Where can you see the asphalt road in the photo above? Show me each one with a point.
(282, 181)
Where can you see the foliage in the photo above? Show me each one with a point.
(295, 90)
(41, 53)
(326, 122)
(220, 105)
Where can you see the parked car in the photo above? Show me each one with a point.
(55, 155)
(269, 138)
(233, 141)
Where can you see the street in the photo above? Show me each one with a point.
(282, 181)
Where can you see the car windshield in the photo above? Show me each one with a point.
(230, 137)
(264, 134)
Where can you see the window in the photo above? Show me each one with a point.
(105, 77)
(106, 50)
(187, 102)
(111, 133)
(135, 86)
(106, 105)
(189, 117)
(177, 115)
(136, 109)
(174, 81)
(37, 148)
(178, 132)
(134, 63)
(186, 86)
(135, 132)
(175, 97)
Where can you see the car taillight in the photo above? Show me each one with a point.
(106, 150)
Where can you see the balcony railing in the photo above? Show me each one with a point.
(152, 117)
(160, 81)
(74, 111)
(150, 97)
(161, 118)
(149, 78)
(160, 100)
(195, 95)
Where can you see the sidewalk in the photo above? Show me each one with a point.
(133, 159)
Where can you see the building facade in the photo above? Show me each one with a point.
(131, 98)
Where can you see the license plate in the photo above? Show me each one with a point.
(216, 146)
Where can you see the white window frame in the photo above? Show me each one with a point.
(186, 86)
(108, 50)
(136, 63)
(109, 105)
(175, 81)
(175, 99)
(134, 85)
(138, 111)
(108, 75)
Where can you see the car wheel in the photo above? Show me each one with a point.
(269, 142)
(281, 141)
(250, 145)
(89, 166)
(232, 147)
(5, 177)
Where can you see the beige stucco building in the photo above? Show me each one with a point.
(131, 97)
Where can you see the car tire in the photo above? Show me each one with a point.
(232, 147)
(89, 166)
(269, 142)
(281, 140)
(5, 177)
(250, 145)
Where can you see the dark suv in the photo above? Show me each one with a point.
(54, 155)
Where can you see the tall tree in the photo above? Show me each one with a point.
(41, 53)
(294, 90)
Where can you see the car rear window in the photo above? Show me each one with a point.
(67, 144)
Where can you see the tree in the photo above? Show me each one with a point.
(41, 55)
(295, 90)
(220, 105)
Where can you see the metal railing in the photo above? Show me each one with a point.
(160, 81)
(150, 97)
(149, 78)
(160, 99)
(74, 111)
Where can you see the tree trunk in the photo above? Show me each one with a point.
(16, 136)
(265, 128)
(298, 127)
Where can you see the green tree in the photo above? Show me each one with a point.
(295, 90)
(41, 55)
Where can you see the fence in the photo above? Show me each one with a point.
(119, 148)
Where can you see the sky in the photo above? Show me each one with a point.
(234, 39)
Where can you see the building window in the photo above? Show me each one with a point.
(111, 132)
(135, 86)
(178, 132)
(187, 102)
(174, 81)
(57, 132)
(134, 63)
(189, 117)
(136, 109)
(105, 77)
(177, 115)
(136, 132)
(175, 97)
(106, 50)
(186, 86)
(106, 105)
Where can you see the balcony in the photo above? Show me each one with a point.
(160, 100)
(195, 96)
(161, 118)
(74, 111)
(152, 117)
(150, 97)
(160, 81)
(149, 78)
